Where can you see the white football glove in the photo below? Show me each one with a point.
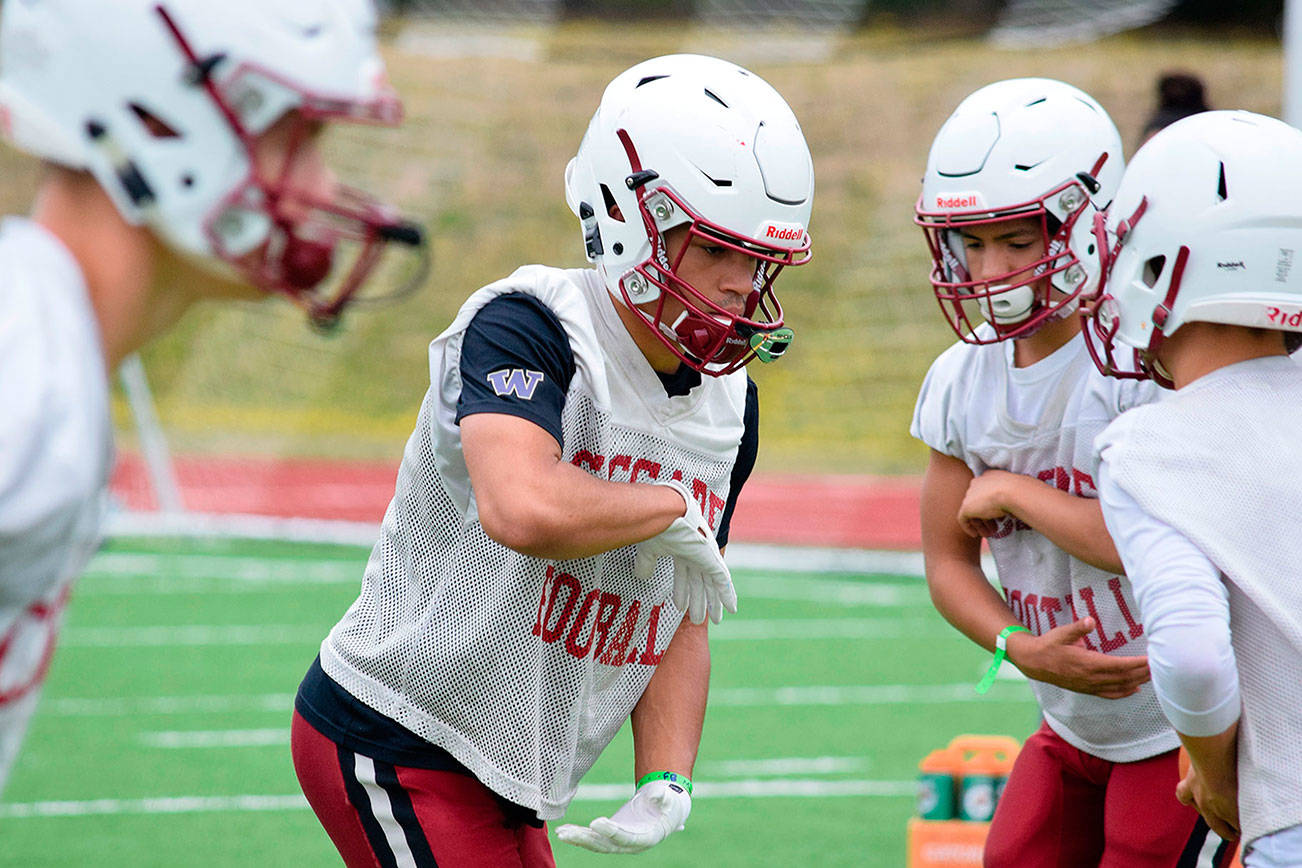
(657, 809)
(702, 583)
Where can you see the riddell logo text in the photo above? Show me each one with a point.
(969, 201)
(787, 233)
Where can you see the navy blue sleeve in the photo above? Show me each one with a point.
(745, 463)
(516, 359)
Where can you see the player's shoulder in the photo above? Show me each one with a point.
(54, 431)
(962, 366)
(1117, 395)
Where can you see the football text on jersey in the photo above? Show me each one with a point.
(585, 622)
(1028, 608)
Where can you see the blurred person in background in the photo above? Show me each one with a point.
(565, 499)
(1200, 489)
(1013, 182)
(181, 163)
(1179, 94)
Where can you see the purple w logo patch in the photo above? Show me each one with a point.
(513, 381)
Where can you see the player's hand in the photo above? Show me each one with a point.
(984, 506)
(1060, 657)
(1219, 805)
(657, 809)
(702, 583)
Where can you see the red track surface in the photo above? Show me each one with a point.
(848, 511)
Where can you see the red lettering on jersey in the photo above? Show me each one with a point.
(620, 461)
(1075, 616)
(542, 598)
(607, 609)
(1015, 603)
(1083, 484)
(1135, 628)
(574, 589)
(701, 492)
(649, 656)
(717, 504)
(614, 655)
(1108, 645)
(585, 458)
(580, 620)
(642, 465)
(1031, 609)
(1057, 477)
(1072, 481)
(1049, 605)
(677, 476)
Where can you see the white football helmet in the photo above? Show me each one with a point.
(1025, 147)
(1206, 227)
(695, 141)
(163, 102)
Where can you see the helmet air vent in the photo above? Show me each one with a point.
(1153, 270)
(718, 182)
(611, 207)
(650, 78)
(1220, 185)
(153, 124)
(714, 97)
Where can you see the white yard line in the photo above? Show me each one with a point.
(69, 706)
(731, 630)
(858, 694)
(786, 765)
(744, 789)
(204, 738)
(744, 697)
(191, 635)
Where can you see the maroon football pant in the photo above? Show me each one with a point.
(1064, 808)
(384, 816)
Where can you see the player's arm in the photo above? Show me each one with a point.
(1186, 612)
(530, 499)
(962, 594)
(1212, 783)
(667, 722)
(668, 719)
(1074, 524)
(516, 365)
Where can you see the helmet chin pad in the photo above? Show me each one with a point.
(306, 263)
(1007, 305)
(707, 337)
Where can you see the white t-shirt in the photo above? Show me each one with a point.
(1041, 421)
(1219, 462)
(55, 434)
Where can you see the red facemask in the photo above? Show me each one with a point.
(319, 251)
(706, 337)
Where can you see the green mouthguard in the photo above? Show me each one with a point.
(771, 345)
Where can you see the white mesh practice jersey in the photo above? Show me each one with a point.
(523, 668)
(1041, 421)
(1220, 462)
(55, 435)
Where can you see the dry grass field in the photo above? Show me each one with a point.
(480, 162)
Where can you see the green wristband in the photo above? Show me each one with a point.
(673, 777)
(1001, 645)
